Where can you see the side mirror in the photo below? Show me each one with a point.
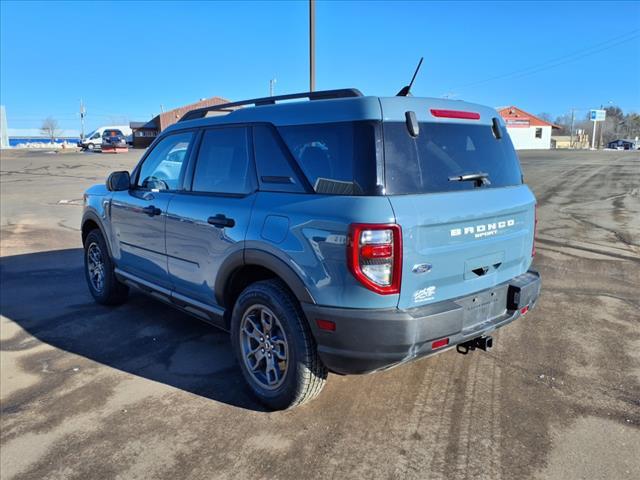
(118, 181)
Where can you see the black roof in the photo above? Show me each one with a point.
(150, 125)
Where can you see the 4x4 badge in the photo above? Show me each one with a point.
(424, 294)
(421, 268)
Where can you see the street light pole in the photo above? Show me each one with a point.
(312, 45)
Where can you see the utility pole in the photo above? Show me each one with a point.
(272, 85)
(601, 128)
(82, 114)
(312, 45)
(573, 110)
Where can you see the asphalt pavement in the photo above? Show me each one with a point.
(144, 391)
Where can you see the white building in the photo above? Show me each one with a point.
(527, 131)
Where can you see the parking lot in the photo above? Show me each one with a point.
(142, 390)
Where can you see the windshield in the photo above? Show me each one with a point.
(426, 163)
(112, 133)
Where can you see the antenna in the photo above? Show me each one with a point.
(406, 90)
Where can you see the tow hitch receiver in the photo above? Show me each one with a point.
(483, 343)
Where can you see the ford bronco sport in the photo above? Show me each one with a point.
(345, 233)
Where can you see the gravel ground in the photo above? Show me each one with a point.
(143, 391)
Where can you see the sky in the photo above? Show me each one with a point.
(125, 59)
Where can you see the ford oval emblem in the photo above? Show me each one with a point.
(421, 268)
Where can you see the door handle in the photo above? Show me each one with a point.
(151, 210)
(221, 221)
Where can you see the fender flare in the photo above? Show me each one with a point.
(252, 256)
(94, 217)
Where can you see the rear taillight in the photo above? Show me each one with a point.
(375, 256)
(535, 228)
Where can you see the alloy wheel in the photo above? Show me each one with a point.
(95, 266)
(264, 346)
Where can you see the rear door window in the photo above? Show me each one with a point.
(425, 163)
(223, 164)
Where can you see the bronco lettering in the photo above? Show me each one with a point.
(482, 230)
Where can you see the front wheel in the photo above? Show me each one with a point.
(274, 346)
(91, 147)
(99, 271)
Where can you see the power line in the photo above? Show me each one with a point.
(561, 60)
(578, 57)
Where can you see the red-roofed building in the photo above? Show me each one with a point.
(527, 131)
(145, 133)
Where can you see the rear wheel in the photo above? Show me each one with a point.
(99, 271)
(274, 346)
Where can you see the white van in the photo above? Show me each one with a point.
(94, 139)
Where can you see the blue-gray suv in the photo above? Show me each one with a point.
(326, 231)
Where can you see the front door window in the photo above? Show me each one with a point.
(164, 166)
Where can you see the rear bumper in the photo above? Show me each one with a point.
(366, 340)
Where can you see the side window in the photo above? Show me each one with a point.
(223, 164)
(275, 173)
(325, 154)
(538, 133)
(336, 158)
(163, 166)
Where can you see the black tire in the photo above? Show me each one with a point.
(91, 147)
(305, 374)
(113, 292)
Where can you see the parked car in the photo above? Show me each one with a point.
(347, 233)
(93, 141)
(113, 141)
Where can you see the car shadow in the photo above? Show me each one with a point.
(45, 293)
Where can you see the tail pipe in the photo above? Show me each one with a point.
(483, 343)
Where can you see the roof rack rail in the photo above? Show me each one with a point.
(320, 95)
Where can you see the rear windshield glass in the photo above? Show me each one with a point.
(442, 150)
(337, 158)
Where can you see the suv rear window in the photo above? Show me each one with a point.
(337, 158)
(442, 150)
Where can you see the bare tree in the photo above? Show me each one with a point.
(50, 128)
(564, 122)
(545, 116)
